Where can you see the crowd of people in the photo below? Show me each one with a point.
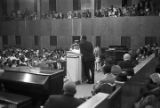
(122, 70)
(33, 15)
(143, 8)
(14, 57)
(115, 75)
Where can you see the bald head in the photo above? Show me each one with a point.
(126, 56)
(69, 88)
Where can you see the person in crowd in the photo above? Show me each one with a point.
(108, 62)
(110, 75)
(67, 100)
(88, 59)
(150, 94)
(133, 56)
(97, 54)
(127, 65)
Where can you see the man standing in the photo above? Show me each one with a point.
(86, 49)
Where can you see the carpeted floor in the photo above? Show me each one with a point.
(84, 90)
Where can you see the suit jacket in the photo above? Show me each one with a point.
(62, 101)
(127, 66)
(86, 49)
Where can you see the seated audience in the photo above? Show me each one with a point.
(150, 94)
(66, 100)
(109, 78)
(127, 65)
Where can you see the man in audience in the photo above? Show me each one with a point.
(66, 100)
(86, 49)
(127, 65)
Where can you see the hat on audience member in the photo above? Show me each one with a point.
(69, 87)
(116, 69)
(126, 56)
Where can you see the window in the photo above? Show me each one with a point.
(18, 40)
(150, 40)
(52, 5)
(5, 39)
(98, 41)
(36, 40)
(75, 38)
(53, 40)
(126, 41)
(76, 4)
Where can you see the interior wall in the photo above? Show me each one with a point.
(108, 3)
(26, 4)
(110, 29)
(10, 6)
(64, 5)
(87, 4)
(44, 6)
(156, 3)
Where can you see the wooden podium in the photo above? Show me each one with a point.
(74, 66)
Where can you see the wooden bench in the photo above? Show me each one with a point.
(125, 95)
(10, 100)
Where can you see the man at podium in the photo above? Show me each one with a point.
(86, 50)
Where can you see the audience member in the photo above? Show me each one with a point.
(67, 100)
(14, 57)
(97, 54)
(127, 65)
(109, 78)
(150, 94)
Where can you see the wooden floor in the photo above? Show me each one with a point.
(84, 90)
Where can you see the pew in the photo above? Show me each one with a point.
(124, 96)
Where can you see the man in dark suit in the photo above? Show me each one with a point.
(66, 100)
(86, 49)
(127, 64)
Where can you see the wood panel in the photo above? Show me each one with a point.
(110, 29)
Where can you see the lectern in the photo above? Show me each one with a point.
(74, 66)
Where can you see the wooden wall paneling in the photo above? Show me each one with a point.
(53, 27)
(108, 3)
(76, 27)
(64, 5)
(10, 6)
(45, 27)
(64, 27)
(44, 6)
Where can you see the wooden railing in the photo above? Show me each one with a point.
(125, 95)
